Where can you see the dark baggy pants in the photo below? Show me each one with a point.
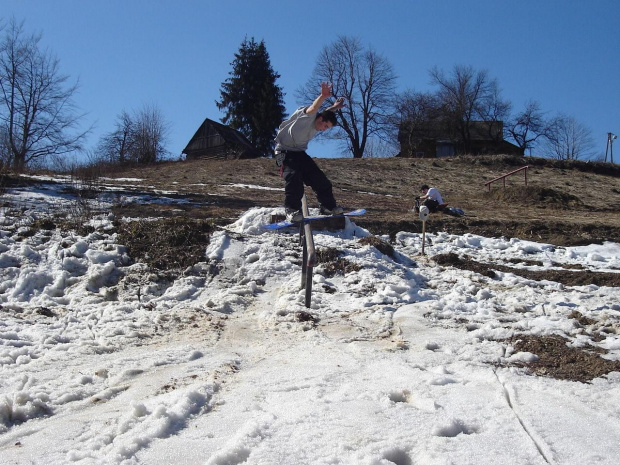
(431, 204)
(300, 169)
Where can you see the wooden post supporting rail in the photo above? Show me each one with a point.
(309, 253)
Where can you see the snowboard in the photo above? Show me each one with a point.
(308, 219)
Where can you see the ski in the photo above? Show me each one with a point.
(308, 219)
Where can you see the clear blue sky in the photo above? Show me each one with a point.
(175, 54)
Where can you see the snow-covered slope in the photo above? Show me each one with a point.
(398, 361)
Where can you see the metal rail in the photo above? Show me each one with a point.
(309, 253)
(503, 177)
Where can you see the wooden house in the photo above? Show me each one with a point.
(435, 140)
(216, 140)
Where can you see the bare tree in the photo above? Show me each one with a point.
(140, 138)
(117, 146)
(527, 126)
(150, 133)
(495, 108)
(466, 96)
(37, 113)
(5, 158)
(568, 139)
(417, 118)
(366, 80)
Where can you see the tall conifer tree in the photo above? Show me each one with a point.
(252, 100)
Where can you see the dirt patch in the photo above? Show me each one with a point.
(537, 195)
(581, 319)
(566, 277)
(171, 243)
(333, 263)
(382, 246)
(327, 255)
(452, 259)
(306, 317)
(556, 359)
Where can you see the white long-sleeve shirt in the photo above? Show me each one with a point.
(435, 195)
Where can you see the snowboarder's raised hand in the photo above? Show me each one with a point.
(326, 89)
(338, 104)
(326, 92)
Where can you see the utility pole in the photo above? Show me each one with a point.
(610, 146)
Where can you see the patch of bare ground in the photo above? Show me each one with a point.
(532, 195)
(563, 203)
(166, 244)
(557, 359)
(566, 277)
(333, 263)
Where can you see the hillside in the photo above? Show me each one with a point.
(175, 340)
(563, 203)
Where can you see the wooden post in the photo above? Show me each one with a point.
(309, 253)
(423, 216)
(423, 235)
(304, 259)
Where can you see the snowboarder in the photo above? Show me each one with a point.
(296, 166)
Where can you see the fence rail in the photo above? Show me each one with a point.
(504, 176)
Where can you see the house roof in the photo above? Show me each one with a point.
(230, 135)
(486, 130)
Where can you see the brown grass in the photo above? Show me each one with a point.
(557, 359)
(562, 204)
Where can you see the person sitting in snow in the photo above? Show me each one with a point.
(431, 198)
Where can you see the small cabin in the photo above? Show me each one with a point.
(216, 140)
(434, 140)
